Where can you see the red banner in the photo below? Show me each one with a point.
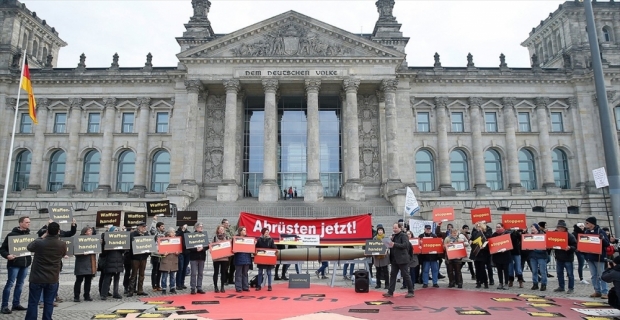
(557, 240)
(500, 244)
(443, 214)
(514, 220)
(589, 243)
(533, 242)
(481, 215)
(431, 245)
(415, 245)
(456, 251)
(353, 230)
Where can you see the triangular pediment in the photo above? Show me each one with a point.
(290, 35)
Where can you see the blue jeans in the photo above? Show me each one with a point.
(260, 275)
(596, 270)
(344, 269)
(561, 265)
(434, 266)
(514, 268)
(539, 266)
(164, 279)
(581, 261)
(16, 275)
(183, 263)
(49, 291)
(324, 266)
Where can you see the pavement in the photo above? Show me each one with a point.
(86, 310)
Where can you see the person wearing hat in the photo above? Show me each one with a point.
(429, 261)
(111, 263)
(578, 229)
(381, 262)
(564, 258)
(613, 275)
(138, 263)
(596, 262)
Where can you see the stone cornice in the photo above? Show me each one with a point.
(50, 34)
(269, 60)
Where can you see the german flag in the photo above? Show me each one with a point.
(27, 86)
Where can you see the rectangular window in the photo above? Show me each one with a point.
(162, 122)
(424, 123)
(556, 122)
(457, 122)
(127, 124)
(94, 120)
(524, 122)
(60, 123)
(490, 120)
(25, 124)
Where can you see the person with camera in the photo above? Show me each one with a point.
(612, 275)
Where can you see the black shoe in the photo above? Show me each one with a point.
(451, 285)
(130, 294)
(276, 278)
(549, 275)
(172, 291)
(222, 290)
(179, 288)
(88, 299)
(76, 300)
(409, 295)
(486, 285)
(246, 289)
(269, 288)
(460, 286)
(435, 286)
(6, 310)
(184, 287)
(238, 290)
(200, 291)
(284, 278)
(543, 287)
(441, 276)
(403, 287)
(388, 295)
(378, 286)
(425, 286)
(491, 283)
(19, 308)
(558, 290)
(478, 286)
(143, 294)
(106, 298)
(258, 288)
(534, 287)
(163, 291)
(193, 291)
(117, 296)
(217, 290)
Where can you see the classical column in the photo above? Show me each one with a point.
(189, 160)
(543, 140)
(512, 152)
(445, 179)
(5, 136)
(228, 190)
(269, 190)
(105, 166)
(36, 166)
(388, 86)
(75, 115)
(353, 188)
(580, 142)
(313, 190)
(480, 179)
(139, 184)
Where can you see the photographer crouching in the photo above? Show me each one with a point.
(613, 275)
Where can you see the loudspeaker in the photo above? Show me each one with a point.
(362, 281)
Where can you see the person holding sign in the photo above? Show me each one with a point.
(596, 262)
(501, 259)
(538, 261)
(429, 261)
(242, 261)
(381, 262)
(17, 268)
(138, 263)
(197, 258)
(112, 264)
(169, 265)
(401, 254)
(454, 266)
(265, 241)
(480, 254)
(564, 258)
(85, 269)
(220, 266)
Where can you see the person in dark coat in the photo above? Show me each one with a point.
(265, 241)
(17, 268)
(138, 264)
(85, 270)
(242, 261)
(197, 258)
(514, 268)
(538, 261)
(612, 275)
(183, 259)
(429, 261)
(220, 266)
(581, 261)
(596, 262)
(112, 264)
(564, 258)
(480, 253)
(401, 255)
(501, 259)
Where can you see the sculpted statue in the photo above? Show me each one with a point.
(437, 62)
(201, 8)
(385, 8)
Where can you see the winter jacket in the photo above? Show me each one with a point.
(86, 264)
(19, 262)
(48, 254)
(264, 242)
(577, 230)
(609, 276)
(515, 237)
(501, 257)
(567, 255)
(195, 255)
(181, 233)
(169, 263)
(383, 260)
(111, 261)
(242, 258)
(478, 253)
(459, 238)
(538, 254)
(401, 252)
(597, 257)
(428, 257)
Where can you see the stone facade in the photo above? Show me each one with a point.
(389, 112)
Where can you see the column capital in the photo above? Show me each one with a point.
(232, 85)
(573, 102)
(542, 102)
(351, 84)
(389, 85)
(475, 101)
(313, 85)
(11, 102)
(270, 85)
(75, 102)
(441, 102)
(144, 102)
(109, 102)
(43, 103)
(193, 86)
(509, 102)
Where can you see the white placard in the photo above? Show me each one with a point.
(411, 203)
(599, 312)
(600, 178)
(310, 239)
(417, 226)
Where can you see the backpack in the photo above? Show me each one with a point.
(254, 282)
(612, 298)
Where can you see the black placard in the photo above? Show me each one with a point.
(206, 302)
(117, 240)
(375, 248)
(61, 214)
(69, 242)
(186, 312)
(299, 281)
(144, 244)
(196, 240)
(187, 217)
(86, 244)
(18, 245)
(154, 315)
(133, 219)
(158, 207)
(364, 310)
(108, 217)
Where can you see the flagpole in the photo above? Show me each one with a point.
(9, 160)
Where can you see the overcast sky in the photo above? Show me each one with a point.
(133, 28)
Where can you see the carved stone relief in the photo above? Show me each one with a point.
(214, 137)
(368, 115)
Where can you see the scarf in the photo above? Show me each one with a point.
(380, 236)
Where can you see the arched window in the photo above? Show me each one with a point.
(606, 34)
(90, 179)
(21, 175)
(25, 42)
(160, 174)
(125, 172)
(35, 48)
(558, 40)
(459, 171)
(44, 58)
(549, 49)
(493, 169)
(56, 175)
(527, 170)
(425, 170)
(561, 175)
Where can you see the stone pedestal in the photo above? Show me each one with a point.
(137, 191)
(482, 190)
(354, 191)
(269, 191)
(228, 192)
(191, 188)
(30, 192)
(517, 189)
(447, 191)
(102, 191)
(392, 187)
(66, 191)
(313, 191)
(552, 188)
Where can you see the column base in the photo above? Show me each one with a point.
(516, 189)
(66, 190)
(31, 191)
(552, 188)
(228, 192)
(191, 188)
(447, 190)
(392, 187)
(482, 190)
(354, 191)
(313, 191)
(137, 191)
(102, 191)
(269, 191)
